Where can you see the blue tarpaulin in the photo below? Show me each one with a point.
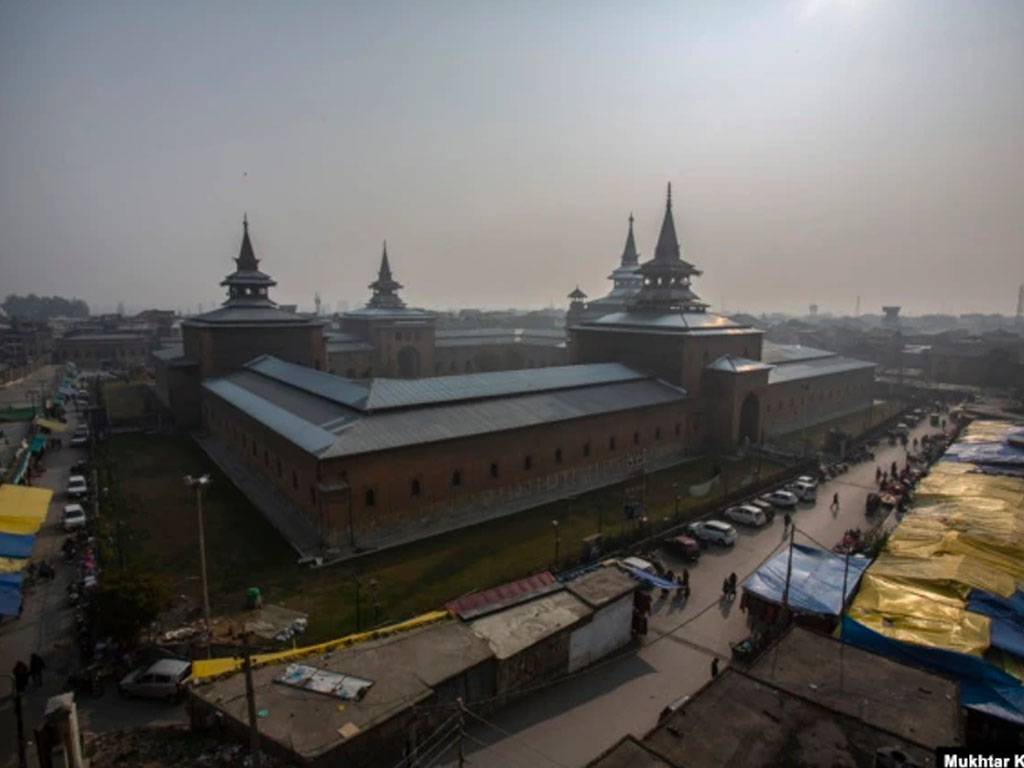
(15, 545)
(10, 594)
(983, 685)
(816, 581)
(647, 578)
(1006, 618)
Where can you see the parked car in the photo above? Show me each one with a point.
(80, 466)
(77, 487)
(713, 531)
(807, 479)
(79, 441)
(683, 547)
(746, 514)
(765, 506)
(784, 499)
(74, 517)
(901, 429)
(163, 680)
(803, 491)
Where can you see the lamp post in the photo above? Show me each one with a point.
(554, 526)
(19, 720)
(199, 483)
(376, 602)
(359, 619)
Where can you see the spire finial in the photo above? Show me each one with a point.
(668, 204)
(630, 219)
(245, 220)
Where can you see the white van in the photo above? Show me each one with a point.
(805, 491)
(746, 514)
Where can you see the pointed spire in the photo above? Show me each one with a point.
(246, 260)
(385, 268)
(629, 254)
(668, 244)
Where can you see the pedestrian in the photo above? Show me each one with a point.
(36, 665)
(669, 576)
(725, 588)
(20, 676)
(787, 521)
(835, 502)
(714, 668)
(686, 583)
(732, 584)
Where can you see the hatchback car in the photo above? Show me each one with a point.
(74, 517)
(683, 547)
(163, 680)
(746, 514)
(79, 441)
(783, 499)
(713, 531)
(77, 487)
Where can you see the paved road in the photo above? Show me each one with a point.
(571, 723)
(46, 627)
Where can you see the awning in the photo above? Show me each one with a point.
(815, 579)
(14, 545)
(10, 594)
(22, 509)
(12, 564)
(51, 424)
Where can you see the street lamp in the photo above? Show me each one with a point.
(199, 483)
(554, 526)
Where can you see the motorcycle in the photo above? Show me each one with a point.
(88, 681)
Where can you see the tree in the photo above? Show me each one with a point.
(127, 601)
(34, 307)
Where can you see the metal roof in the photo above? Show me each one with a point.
(169, 353)
(244, 315)
(349, 346)
(737, 364)
(503, 596)
(331, 416)
(381, 394)
(673, 322)
(787, 353)
(384, 430)
(92, 337)
(811, 368)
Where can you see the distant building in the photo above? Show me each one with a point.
(104, 351)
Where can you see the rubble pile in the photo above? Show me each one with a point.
(176, 746)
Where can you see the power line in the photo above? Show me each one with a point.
(514, 738)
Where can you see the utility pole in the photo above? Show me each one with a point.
(554, 526)
(199, 483)
(359, 622)
(250, 700)
(20, 722)
(789, 568)
(462, 732)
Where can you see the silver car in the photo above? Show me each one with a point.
(163, 680)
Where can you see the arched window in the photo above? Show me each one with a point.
(494, 469)
(414, 487)
(678, 429)
(636, 438)
(278, 467)
(611, 443)
(456, 479)
(586, 449)
(558, 455)
(657, 433)
(295, 480)
(528, 462)
(370, 498)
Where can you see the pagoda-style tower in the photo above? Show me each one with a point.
(666, 277)
(385, 288)
(626, 277)
(247, 286)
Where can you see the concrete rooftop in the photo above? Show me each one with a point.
(517, 628)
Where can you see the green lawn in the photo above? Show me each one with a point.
(160, 530)
(125, 401)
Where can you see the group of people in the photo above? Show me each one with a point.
(683, 582)
(33, 670)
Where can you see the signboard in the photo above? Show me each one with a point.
(324, 681)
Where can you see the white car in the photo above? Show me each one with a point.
(165, 679)
(784, 499)
(807, 479)
(803, 491)
(77, 487)
(746, 514)
(713, 531)
(74, 517)
(79, 441)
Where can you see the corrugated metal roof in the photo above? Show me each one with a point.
(403, 393)
(669, 320)
(302, 433)
(169, 353)
(811, 368)
(349, 346)
(504, 596)
(247, 315)
(384, 430)
(350, 392)
(737, 364)
(788, 353)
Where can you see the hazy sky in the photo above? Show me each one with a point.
(819, 150)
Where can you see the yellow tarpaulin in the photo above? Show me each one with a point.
(12, 564)
(50, 424)
(203, 669)
(23, 508)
